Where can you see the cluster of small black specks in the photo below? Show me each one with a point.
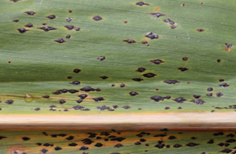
(97, 18)
(10, 101)
(209, 89)
(141, 3)
(185, 58)
(141, 69)
(157, 98)
(98, 99)
(133, 93)
(223, 85)
(104, 77)
(22, 30)
(137, 79)
(47, 28)
(126, 107)
(152, 35)
(101, 58)
(129, 41)
(198, 101)
(68, 36)
(157, 61)
(87, 89)
(218, 60)
(200, 30)
(51, 17)
(29, 25)
(169, 21)
(15, 20)
(182, 69)
(157, 15)
(60, 40)
(191, 144)
(180, 99)
(25, 138)
(30, 13)
(219, 94)
(149, 75)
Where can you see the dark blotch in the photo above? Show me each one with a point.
(79, 100)
(157, 61)
(141, 69)
(221, 80)
(58, 148)
(72, 144)
(218, 60)
(60, 40)
(137, 79)
(172, 137)
(10, 101)
(185, 58)
(75, 82)
(180, 99)
(151, 35)
(200, 30)
(68, 36)
(133, 93)
(210, 89)
(122, 85)
(157, 98)
(44, 150)
(101, 58)
(171, 81)
(87, 141)
(198, 101)
(77, 29)
(160, 146)
(69, 27)
(98, 99)
(72, 91)
(70, 138)
(68, 19)
(22, 30)
(47, 28)
(191, 144)
(25, 138)
(16, 20)
(87, 89)
(98, 145)
(29, 25)
(219, 94)
(70, 11)
(223, 85)
(182, 69)
(30, 12)
(103, 77)
(137, 143)
(118, 145)
(97, 18)
(177, 145)
(129, 41)
(196, 96)
(76, 70)
(231, 140)
(38, 144)
(141, 3)
(62, 101)
(46, 96)
(149, 75)
(226, 151)
(51, 17)
(169, 21)
(83, 96)
(37, 109)
(157, 15)
(211, 141)
(84, 148)
(126, 107)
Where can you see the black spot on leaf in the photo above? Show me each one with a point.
(182, 69)
(157, 15)
(70, 11)
(79, 100)
(157, 61)
(200, 30)
(68, 36)
(129, 41)
(118, 145)
(72, 91)
(70, 138)
(141, 3)
(47, 28)
(185, 58)
(101, 58)
(122, 85)
(177, 145)
(63, 90)
(62, 101)
(211, 141)
(210, 89)
(46, 96)
(231, 140)
(126, 107)
(97, 18)
(15, 20)
(10, 101)
(98, 99)
(29, 25)
(68, 19)
(60, 40)
(173, 27)
(137, 79)
(151, 35)
(223, 85)
(180, 99)
(137, 143)
(226, 151)
(98, 145)
(69, 27)
(51, 17)
(76, 70)
(221, 80)
(149, 75)
(37, 109)
(22, 30)
(218, 60)
(198, 101)
(141, 69)
(103, 77)
(83, 96)
(44, 151)
(219, 94)
(75, 82)
(72, 144)
(25, 138)
(172, 137)
(87, 141)
(160, 146)
(133, 93)
(196, 96)
(30, 12)
(169, 21)
(157, 98)
(58, 148)
(84, 148)
(171, 81)
(87, 89)
(191, 144)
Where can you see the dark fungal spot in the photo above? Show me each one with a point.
(63, 90)
(101, 58)
(169, 21)
(44, 150)
(15, 20)
(69, 77)
(157, 98)
(92, 135)
(75, 83)
(62, 135)
(72, 144)
(141, 3)
(44, 23)
(106, 139)
(51, 17)
(157, 15)
(98, 145)
(173, 27)
(160, 146)
(167, 97)
(149, 75)
(9, 62)
(46, 96)
(60, 40)
(97, 99)
(219, 94)
(152, 35)
(37, 109)
(14, 1)
(179, 107)
(171, 81)
(157, 89)
(226, 151)
(72, 91)
(126, 107)
(183, 5)
(10, 101)
(54, 135)
(231, 140)
(172, 137)
(230, 135)
(223, 85)
(157, 61)
(30, 12)
(87, 89)
(25, 138)
(191, 144)
(84, 148)
(125, 22)
(196, 96)
(218, 60)
(77, 29)
(22, 30)
(200, 30)
(209, 89)
(122, 85)
(133, 93)
(141, 69)
(180, 99)
(198, 101)
(46, 144)
(144, 42)
(177, 145)
(97, 18)
(185, 58)
(137, 79)
(182, 69)
(79, 100)
(104, 77)
(83, 96)
(1, 137)
(68, 36)
(70, 11)
(68, 19)
(193, 138)
(69, 27)
(87, 141)
(58, 148)
(129, 41)
(118, 145)
(137, 143)
(62, 101)
(70, 138)
(211, 141)
(167, 108)
(76, 70)
(221, 80)
(44, 133)
(38, 144)
(115, 106)
(29, 25)
(47, 28)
